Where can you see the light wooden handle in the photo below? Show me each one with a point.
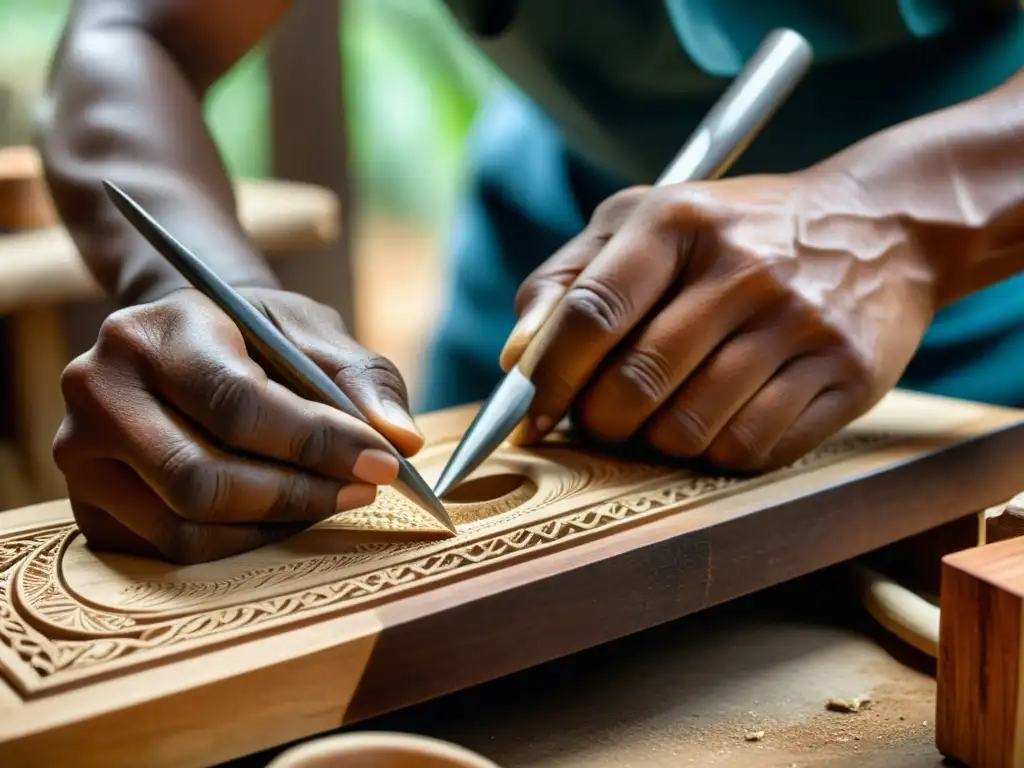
(764, 83)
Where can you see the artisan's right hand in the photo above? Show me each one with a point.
(177, 445)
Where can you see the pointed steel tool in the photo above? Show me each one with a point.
(765, 82)
(305, 377)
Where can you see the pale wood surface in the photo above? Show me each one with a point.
(981, 661)
(43, 267)
(118, 661)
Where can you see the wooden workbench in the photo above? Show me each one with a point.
(689, 693)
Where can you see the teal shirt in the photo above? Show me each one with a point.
(607, 90)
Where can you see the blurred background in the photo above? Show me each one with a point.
(410, 86)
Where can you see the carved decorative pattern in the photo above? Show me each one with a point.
(153, 595)
(59, 640)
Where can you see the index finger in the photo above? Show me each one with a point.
(229, 397)
(609, 298)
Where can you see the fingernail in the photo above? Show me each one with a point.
(396, 414)
(355, 495)
(524, 330)
(531, 430)
(376, 467)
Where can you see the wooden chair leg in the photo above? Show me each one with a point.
(16, 490)
(39, 358)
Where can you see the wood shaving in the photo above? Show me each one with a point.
(848, 705)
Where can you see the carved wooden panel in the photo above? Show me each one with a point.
(113, 660)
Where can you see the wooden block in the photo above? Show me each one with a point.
(980, 713)
(112, 660)
(24, 199)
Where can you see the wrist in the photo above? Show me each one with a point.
(953, 181)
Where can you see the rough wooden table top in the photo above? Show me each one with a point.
(691, 692)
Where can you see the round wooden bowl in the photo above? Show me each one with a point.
(24, 197)
(379, 750)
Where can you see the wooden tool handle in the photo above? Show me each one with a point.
(765, 82)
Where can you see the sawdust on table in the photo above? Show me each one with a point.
(898, 720)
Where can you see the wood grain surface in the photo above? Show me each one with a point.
(981, 644)
(122, 661)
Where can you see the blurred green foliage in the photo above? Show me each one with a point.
(413, 86)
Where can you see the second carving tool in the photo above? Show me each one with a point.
(304, 376)
(765, 82)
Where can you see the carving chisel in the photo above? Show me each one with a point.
(761, 87)
(304, 376)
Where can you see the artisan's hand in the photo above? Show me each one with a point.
(177, 445)
(742, 321)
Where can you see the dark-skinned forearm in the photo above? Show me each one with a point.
(120, 107)
(955, 179)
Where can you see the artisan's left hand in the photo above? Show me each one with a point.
(743, 321)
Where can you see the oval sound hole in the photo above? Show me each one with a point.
(488, 496)
(480, 490)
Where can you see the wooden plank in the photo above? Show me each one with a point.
(126, 661)
(42, 267)
(980, 715)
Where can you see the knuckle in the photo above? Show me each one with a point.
(77, 378)
(855, 370)
(67, 448)
(737, 447)
(648, 373)
(599, 422)
(315, 444)
(537, 285)
(122, 331)
(90, 396)
(687, 435)
(386, 374)
(374, 368)
(188, 545)
(613, 211)
(598, 304)
(664, 207)
(194, 487)
(296, 498)
(234, 406)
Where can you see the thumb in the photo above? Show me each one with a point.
(543, 289)
(541, 296)
(540, 293)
